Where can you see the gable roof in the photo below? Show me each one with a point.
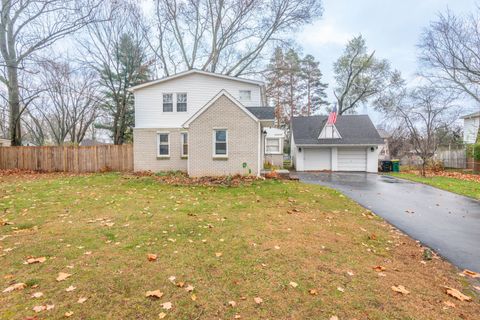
(193, 71)
(472, 115)
(263, 113)
(223, 92)
(354, 129)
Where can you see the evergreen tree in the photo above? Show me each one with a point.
(275, 78)
(313, 86)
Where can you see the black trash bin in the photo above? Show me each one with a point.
(386, 166)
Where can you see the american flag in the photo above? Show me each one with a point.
(332, 117)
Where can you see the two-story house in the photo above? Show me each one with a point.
(203, 123)
(471, 124)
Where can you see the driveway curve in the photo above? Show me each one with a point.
(446, 222)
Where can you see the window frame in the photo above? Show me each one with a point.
(186, 101)
(183, 144)
(214, 143)
(159, 133)
(249, 95)
(163, 102)
(279, 145)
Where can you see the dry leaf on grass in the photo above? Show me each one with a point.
(313, 292)
(68, 314)
(162, 315)
(457, 294)
(379, 268)
(167, 305)
(476, 288)
(449, 304)
(237, 316)
(82, 300)
(333, 318)
(340, 289)
(277, 247)
(43, 308)
(232, 303)
(62, 276)
(152, 257)
(258, 300)
(172, 279)
(400, 289)
(154, 294)
(180, 284)
(218, 254)
(16, 286)
(70, 289)
(293, 284)
(189, 288)
(37, 295)
(194, 297)
(471, 273)
(32, 260)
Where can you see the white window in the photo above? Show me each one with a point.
(272, 145)
(220, 143)
(181, 102)
(245, 95)
(184, 141)
(167, 102)
(163, 141)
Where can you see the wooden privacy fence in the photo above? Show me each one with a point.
(68, 158)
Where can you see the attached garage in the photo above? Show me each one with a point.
(352, 159)
(317, 159)
(350, 144)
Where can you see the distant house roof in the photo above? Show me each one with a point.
(192, 71)
(471, 115)
(354, 130)
(262, 113)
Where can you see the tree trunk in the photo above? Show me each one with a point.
(14, 103)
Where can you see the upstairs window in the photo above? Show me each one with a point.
(245, 95)
(220, 142)
(181, 102)
(167, 102)
(272, 146)
(163, 140)
(184, 141)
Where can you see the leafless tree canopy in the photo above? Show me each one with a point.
(224, 36)
(450, 53)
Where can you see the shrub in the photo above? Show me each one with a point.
(473, 151)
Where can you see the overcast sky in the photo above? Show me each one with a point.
(391, 27)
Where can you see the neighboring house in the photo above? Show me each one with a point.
(384, 150)
(274, 141)
(90, 143)
(5, 142)
(352, 144)
(471, 123)
(203, 123)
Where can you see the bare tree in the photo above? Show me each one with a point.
(223, 36)
(26, 27)
(426, 113)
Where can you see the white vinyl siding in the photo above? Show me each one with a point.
(352, 159)
(200, 89)
(317, 159)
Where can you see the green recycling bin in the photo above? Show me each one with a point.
(396, 165)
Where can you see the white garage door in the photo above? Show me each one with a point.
(352, 159)
(317, 159)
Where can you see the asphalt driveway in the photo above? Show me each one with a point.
(443, 221)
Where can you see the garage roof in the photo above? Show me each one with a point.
(354, 129)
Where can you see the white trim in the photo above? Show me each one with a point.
(260, 158)
(182, 143)
(185, 73)
(163, 102)
(176, 102)
(335, 133)
(279, 144)
(214, 141)
(158, 144)
(223, 92)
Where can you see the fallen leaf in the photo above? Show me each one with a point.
(476, 288)
(35, 260)
(277, 248)
(293, 284)
(154, 294)
(237, 316)
(379, 268)
(43, 308)
(162, 315)
(340, 289)
(16, 286)
(189, 288)
(70, 289)
(232, 304)
(471, 273)
(400, 289)
(258, 300)
(68, 314)
(194, 297)
(218, 254)
(172, 279)
(62, 276)
(457, 294)
(333, 318)
(37, 295)
(449, 304)
(313, 292)
(152, 257)
(180, 284)
(350, 273)
(88, 253)
(82, 300)
(167, 305)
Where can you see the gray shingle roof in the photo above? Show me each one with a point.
(354, 129)
(262, 113)
(472, 115)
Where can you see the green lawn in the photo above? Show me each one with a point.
(306, 251)
(463, 187)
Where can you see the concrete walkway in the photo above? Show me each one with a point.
(446, 222)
